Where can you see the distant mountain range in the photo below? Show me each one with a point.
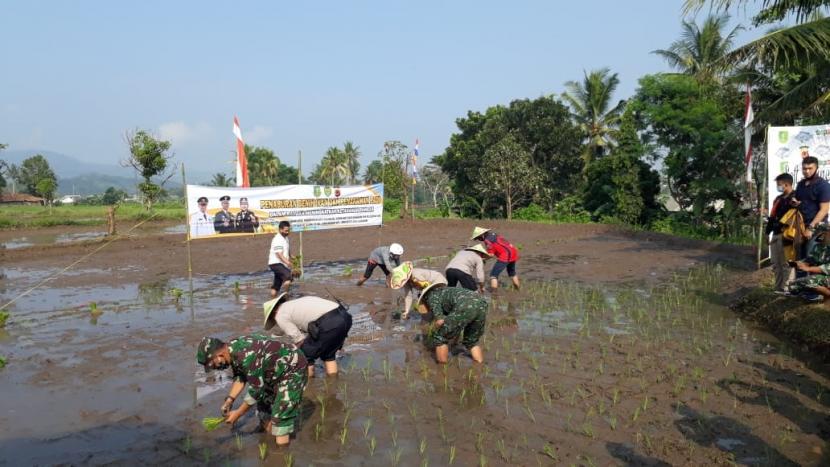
(87, 178)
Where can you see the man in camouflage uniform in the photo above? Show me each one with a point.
(817, 265)
(275, 373)
(455, 310)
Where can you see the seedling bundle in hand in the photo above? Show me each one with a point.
(212, 423)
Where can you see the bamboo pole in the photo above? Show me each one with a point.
(187, 241)
(300, 182)
(762, 195)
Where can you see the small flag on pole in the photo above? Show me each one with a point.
(415, 161)
(241, 159)
(749, 116)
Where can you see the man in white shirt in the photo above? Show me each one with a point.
(317, 326)
(279, 259)
(201, 223)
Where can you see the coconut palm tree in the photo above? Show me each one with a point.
(803, 45)
(334, 167)
(591, 107)
(352, 155)
(220, 179)
(700, 51)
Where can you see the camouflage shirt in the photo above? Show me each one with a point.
(445, 301)
(261, 362)
(820, 256)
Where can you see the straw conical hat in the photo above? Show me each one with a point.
(400, 275)
(479, 231)
(268, 309)
(479, 249)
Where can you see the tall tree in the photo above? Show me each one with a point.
(149, 157)
(220, 179)
(3, 170)
(351, 153)
(334, 167)
(700, 51)
(507, 172)
(31, 172)
(543, 126)
(805, 44)
(266, 169)
(373, 172)
(592, 108)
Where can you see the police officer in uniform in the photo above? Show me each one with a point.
(223, 221)
(246, 221)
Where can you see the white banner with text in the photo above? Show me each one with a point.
(214, 211)
(787, 146)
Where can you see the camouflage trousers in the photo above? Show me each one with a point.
(282, 406)
(809, 283)
(468, 318)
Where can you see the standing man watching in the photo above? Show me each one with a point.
(223, 221)
(279, 260)
(777, 255)
(812, 197)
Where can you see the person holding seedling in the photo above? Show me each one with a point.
(319, 327)
(467, 268)
(279, 259)
(412, 279)
(506, 255)
(455, 311)
(384, 257)
(274, 372)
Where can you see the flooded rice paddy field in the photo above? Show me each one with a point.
(653, 371)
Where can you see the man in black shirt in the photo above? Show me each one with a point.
(812, 197)
(777, 256)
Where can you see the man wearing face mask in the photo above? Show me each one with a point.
(276, 375)
(780, 206)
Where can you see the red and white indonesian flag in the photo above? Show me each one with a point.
(241, 160)
(749, 116)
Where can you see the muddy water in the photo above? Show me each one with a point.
(574, 375)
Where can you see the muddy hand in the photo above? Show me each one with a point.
(226, 407)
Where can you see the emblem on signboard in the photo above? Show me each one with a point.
(783, 136)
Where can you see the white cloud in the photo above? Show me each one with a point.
(257, 135)
(181, 133)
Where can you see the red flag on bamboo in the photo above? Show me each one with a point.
(241, 159)
(749, 116)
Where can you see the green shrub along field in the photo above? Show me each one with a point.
(19, 217)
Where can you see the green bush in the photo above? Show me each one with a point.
(569, 209)
(533, 212)
(431, 213)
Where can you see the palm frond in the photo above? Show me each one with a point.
(801, 43)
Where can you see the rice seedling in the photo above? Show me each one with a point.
(482, 460)
(318, 428)
(348, 270)
(238, 440)
(422, 446)
(479, 441)
(372, 445)
(462, 396)
(288, 460)
(367, 425)
(2, 362)
(4, 315)
(549, 451)
(186, 445)
(424, 462)
(395, 456)
(502, 450)
(206, 455)
(344, 433)
(212, 423)
(612, 422)
(452, 455)
(636, 414)
(529, 413)
(263, 451)
(588, 430)
(236, 287)
(413, 412)
(395, 438)
(323, 404)
(176, 293)
(93, 308)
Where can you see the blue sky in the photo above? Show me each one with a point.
(76, 75)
